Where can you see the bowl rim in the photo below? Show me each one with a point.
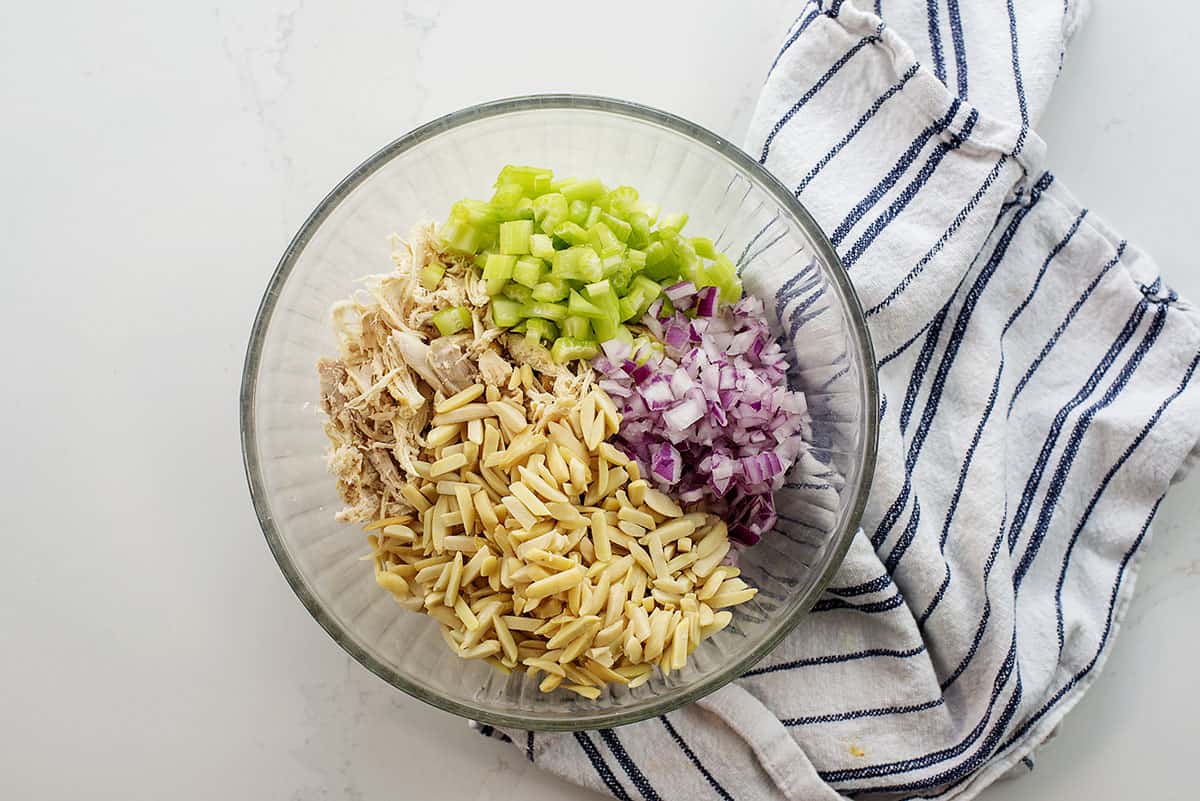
(840, 541)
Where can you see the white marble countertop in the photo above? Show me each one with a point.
(158, 156)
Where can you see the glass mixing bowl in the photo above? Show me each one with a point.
(784, 259)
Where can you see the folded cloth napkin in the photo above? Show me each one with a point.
(1037, 393)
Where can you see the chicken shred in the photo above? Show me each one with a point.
(392, 367)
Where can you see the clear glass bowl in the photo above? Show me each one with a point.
(784, 258)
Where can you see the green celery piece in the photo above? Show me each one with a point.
(528, 271)
(519, 328)
(572, 233)
(549, 211)
(431, 275)
(577, 264)
(602, 296)
(538, 330)
(499, 265)
(624, 335)
(558, 183)
(506, 199)
(593, 216)
(639, 233)
(525, 177)
(587, 189)
(686, 259)
(605, 329)
(630, 306)
(550, 311)
(505, 313)
(460, 235)
(702, 245)
(474, 212)
(497, 270)
(651, 211)
(578, 211)
(541, 184)
(673, 222)
(723, 275)
(657, 253)
(648, 288)
(584, 308)
(517, 292)
(668, 308)
(621, 229)
(514, 237)
(541, 247)
(551, 289)
(577, 328)
(479, 259)
(566, 349)
(449, 321)
(619, 276)
(636, 258)
(603, 240)
(622, 201)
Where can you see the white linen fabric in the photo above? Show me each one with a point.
(1037, 394)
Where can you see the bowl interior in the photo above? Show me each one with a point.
(784, 259)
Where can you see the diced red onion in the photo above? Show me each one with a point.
(715, 399)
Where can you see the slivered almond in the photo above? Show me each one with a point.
(459, 399)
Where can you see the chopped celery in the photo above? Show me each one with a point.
(578, 264)
(587, 189)
(549, 211)
(572, 233)
(624, 335)
(460, 235)
(517, 292)
(673, 222)
(701, 244)
(506, 199)
(538, 330)
(619, 276)
(566, 349)
(639, 233)
(550, 289)
(621, 229)
(603, 240)
(646, 286)
(577, 328)
(514, 237)
(578, 211)
(551, 311)
(541, 247)
(526, 177)
(499, 265)
(448, 321)
(571, 254)
(505, 313)
(431, 275)
(630, 306)
(602, 296)
(584, 308)
(497, 271)
(528, 271)
(622, 201)
(656, 253)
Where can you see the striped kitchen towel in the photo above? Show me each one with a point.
(1036, 377)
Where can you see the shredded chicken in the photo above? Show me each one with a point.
(392, 367)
